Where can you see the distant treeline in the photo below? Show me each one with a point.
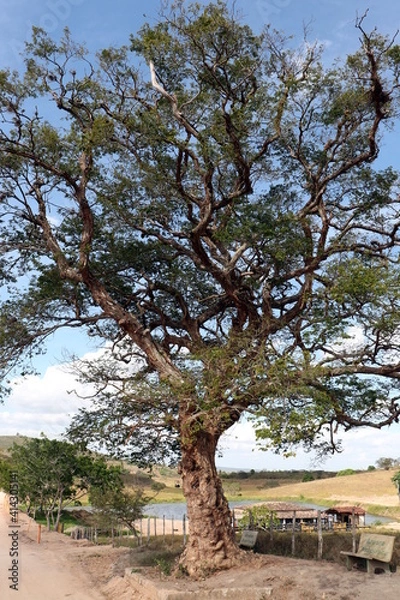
(293, 475)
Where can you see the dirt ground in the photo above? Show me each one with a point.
(284, 578)
(59, 567)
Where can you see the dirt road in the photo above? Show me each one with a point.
(32, 571)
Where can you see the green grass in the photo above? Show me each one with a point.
(168, 494)
(66, 519)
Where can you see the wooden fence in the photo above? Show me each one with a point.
(293, 525)
(149, 527)
(145, 528)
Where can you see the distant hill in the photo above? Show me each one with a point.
(373, 490)
(6, 441)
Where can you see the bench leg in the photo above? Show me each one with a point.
(351, 561)
(377, 564)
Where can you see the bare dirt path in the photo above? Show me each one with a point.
(44, 571)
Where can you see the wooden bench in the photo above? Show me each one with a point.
(374, 551)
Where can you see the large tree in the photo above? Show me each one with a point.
(204, 199)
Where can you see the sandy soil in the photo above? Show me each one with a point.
(59, 567)
(51, 570)
(293, 579)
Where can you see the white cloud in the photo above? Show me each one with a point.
(46, 403)
(361, 448)
(41, 404)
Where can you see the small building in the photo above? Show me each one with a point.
(344, 515)
(285, 512)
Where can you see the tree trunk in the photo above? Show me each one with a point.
(58, 517)
(211, 543)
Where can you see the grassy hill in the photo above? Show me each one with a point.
(376, 486)
(373, 490)
(6, 441)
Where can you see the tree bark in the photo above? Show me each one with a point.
(211, 543)
(58, 517)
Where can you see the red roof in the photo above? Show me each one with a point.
(348, 510)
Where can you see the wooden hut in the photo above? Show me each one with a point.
(344, 515)
(285, 512)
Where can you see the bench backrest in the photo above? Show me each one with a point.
(376, 546)
(248, 539)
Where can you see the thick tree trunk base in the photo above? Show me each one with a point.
(211, 544)
(194, 564)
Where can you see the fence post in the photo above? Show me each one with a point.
(320, 538)
(141, 532)
(172, 520)
(184, 529)
(271, 527)
(155, 526)
(39, 533)
(353, 529)
(163, 527)
(148, 530)
(294, 533)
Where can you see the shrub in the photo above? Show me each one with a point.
(345, 472)
(157, 486)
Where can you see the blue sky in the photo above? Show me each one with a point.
(43, 403)
(102, 23)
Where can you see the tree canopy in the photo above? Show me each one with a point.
(204, 200)
(54, 473)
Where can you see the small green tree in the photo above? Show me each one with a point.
(396, 481)
(345, 472)
(5, 474)
(385, 463)
(258, 517)
(118, 506)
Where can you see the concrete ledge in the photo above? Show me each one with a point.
(148, 589)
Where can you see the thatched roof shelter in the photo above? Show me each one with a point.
(344, 514)
(284, 511)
